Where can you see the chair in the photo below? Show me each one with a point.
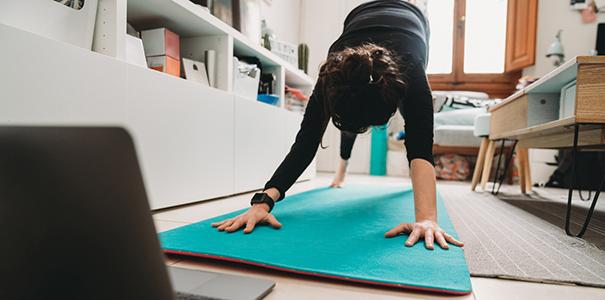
(485, 157)
(486, 150)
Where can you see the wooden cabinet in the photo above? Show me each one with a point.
(521, 29)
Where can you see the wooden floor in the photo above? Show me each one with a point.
(301, 287)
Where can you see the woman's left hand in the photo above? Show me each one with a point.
(428, 230)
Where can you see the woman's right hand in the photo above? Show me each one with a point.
(258, 213)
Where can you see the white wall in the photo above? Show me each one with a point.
(321, 24)
(577, 38)
(283, 16)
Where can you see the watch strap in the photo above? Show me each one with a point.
(260, 198)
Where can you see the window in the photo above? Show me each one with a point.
(440, 15)
(480, 44)
(485, 36)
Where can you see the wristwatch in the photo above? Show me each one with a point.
(259, 198)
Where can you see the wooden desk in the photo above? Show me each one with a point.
(532, 115)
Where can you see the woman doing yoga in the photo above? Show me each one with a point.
(376, 66)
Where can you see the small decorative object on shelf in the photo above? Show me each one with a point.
(267, 35)
(578, 4)
(195, 71)
(267, 83)
(303, 57)
(210, 59)
(287, 51)
(525, 81)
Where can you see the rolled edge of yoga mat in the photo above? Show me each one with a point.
(314, 274)
(378, 151)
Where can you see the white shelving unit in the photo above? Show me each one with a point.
(194, 142)
(191, 21)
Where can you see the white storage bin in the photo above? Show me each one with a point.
(52, 19)
(568, 100)
(246, 78)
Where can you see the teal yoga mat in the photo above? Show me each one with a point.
(335, 233)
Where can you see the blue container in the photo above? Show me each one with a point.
(269, 99)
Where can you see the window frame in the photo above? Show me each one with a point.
(494, 84)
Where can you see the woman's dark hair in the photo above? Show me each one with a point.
(361, 87)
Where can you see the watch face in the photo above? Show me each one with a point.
(258, 198)
(262, 198)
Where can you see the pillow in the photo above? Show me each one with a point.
(459, 116)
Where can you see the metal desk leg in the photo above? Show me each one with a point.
(498, 164)
(507, 163)
(574, 151)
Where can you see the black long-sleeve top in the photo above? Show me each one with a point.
(401, 28)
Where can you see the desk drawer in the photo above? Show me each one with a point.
(509, 117)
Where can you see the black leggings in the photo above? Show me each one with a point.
(347, 140)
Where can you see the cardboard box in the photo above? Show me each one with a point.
(161, 42)
(165, 64)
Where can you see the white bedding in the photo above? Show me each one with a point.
(456, 135)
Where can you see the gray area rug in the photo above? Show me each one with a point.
(521, 237)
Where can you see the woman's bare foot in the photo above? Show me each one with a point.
(339, 178)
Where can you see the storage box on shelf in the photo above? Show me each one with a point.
(162, 48)
(161, 42)
(165, 64)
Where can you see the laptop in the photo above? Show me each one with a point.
(75, 223)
